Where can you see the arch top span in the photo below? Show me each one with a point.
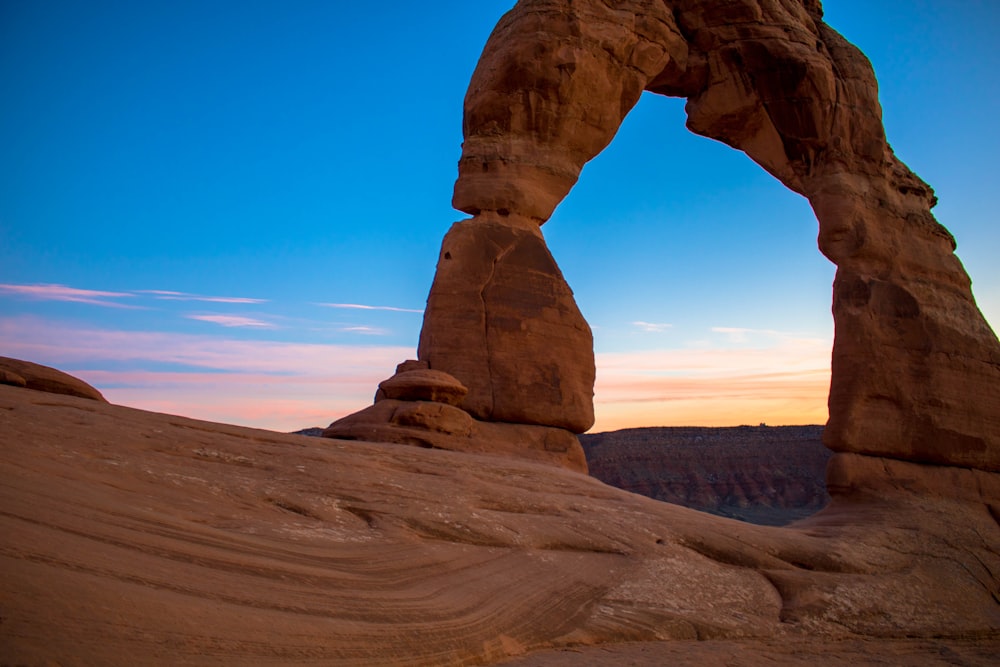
(767, 77)
(915, 366)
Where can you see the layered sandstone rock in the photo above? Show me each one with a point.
(129, 537)
(30, 375)
(417, 406)
(504, 341)
(501, 318)
(769, 475)
(916, 369)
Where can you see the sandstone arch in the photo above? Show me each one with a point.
(916, 368)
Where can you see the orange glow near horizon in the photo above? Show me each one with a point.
(784, 384)
(724, 402)
(290, 386)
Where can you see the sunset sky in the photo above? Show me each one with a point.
(232, 210)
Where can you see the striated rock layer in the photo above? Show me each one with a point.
(18, 373)
(915, 368)
(129, 537)
(771, 475)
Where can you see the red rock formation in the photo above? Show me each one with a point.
(27, 374)
(916, 368)
(770, 475)
(417, 406)
(129, 537)
(501, 318)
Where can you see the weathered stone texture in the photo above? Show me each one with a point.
(30, 375)
(501, 319)
(552, 86)
(423, 385)
(916, 368)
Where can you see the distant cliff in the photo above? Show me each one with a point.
(761, 474)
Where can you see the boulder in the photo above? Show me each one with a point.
(43, 378)
(423, 385)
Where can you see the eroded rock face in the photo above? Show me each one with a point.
(916, 368)
(423, 385)
(417, 406)
(130, 537)
(30, 375)
(769, 475)
(501, 318)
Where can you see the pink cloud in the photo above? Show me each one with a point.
(276, 402)
(37, 337)
(287, 386)
(358, 306)
(169, 295)
(53, 292)
(232, 321)
(267, 384)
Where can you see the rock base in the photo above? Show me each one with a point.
(418, 407)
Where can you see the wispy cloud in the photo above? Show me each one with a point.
(168, 295)
(368, 331)
(232, 321)
(54, 292)
(358, 306)
(651, 327)
(269, 384)
(285, 386)
(742, 334)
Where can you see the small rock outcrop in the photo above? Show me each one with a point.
(422, 384)
(418, 406)
(30, 375)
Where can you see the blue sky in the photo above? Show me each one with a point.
(232, 210)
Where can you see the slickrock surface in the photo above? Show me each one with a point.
(129, 537)
(781, 653)
(762, 474)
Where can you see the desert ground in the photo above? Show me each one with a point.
(132, 537)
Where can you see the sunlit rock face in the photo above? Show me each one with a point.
(417, 406)
(916, 368)
(18, 373)
(502, 319)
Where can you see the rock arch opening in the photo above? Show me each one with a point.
(699, 275)
(915, 367)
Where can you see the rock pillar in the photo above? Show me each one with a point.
(501, 319)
